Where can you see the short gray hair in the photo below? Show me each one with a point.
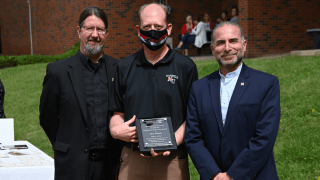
(165, 9)
(226, 23)
(188, 17)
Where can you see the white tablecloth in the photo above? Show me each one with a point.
(36, 165)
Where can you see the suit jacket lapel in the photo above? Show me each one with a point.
(75, 73)
(214, 87)
(239, 89)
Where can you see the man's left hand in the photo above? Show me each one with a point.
(155, 154)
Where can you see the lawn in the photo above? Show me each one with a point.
(297, 147)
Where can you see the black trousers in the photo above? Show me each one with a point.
(98, 170)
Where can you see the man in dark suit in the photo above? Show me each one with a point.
(233, 115)
(74, 106)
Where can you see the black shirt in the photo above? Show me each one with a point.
(96, 93)
(151, 91)
(1, 100)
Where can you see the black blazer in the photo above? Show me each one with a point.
(1, 100)
(63, 117)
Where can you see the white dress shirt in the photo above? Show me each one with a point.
(227, 85)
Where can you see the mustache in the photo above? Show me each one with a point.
(94, 40)
(229, 54)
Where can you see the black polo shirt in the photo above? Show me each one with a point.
(95, 81)
(151, 91)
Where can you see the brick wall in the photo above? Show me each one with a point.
(54, 24)
(14, 24)
(122, 16)
(271, 26)
(226, 5)
(182, 8)
(278, 26)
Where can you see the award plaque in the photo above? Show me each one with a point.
(156, 133)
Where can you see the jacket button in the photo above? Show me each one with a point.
(86, 150)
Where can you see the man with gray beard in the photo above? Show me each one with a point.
(74, 106)
(233, 115)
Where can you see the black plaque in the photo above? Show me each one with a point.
(156, 133)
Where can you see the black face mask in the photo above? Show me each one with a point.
(153, 39)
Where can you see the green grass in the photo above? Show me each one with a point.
(23, 86)
(297, 147)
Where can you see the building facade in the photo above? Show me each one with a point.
(270, 26)
(278, 26)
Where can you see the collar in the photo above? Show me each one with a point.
(232, 74)
(85, 60)
(141, 59)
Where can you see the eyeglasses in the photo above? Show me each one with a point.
(90, 29)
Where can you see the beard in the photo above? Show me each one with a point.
(236, 62)
(92, 49)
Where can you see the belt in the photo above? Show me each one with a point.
(95, 156)
(133, 146)
(181, 152)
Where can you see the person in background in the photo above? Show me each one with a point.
(2, 115)
(198, 37)
(187, 39)
(207, 21)
(234, 13)
(224, 17)
(186, 28)
(201, 35)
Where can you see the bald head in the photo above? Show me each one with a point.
(150, 11)
(153, 16)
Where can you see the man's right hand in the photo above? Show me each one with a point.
(221, 176)
(124, 132)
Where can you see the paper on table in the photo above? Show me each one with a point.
(14, 164)
(38, 163)
(23, 152)
(31, 158)
(2, 155)
(23, 161)
(12, 171)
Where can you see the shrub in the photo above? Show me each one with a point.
(10, 61)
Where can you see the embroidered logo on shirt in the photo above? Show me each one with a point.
(172, 78)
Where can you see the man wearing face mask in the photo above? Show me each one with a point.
(74, 106)
(153, 82)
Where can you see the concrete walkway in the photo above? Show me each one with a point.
(314, 52)
(202, 58)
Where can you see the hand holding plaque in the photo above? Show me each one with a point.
(156, 133)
